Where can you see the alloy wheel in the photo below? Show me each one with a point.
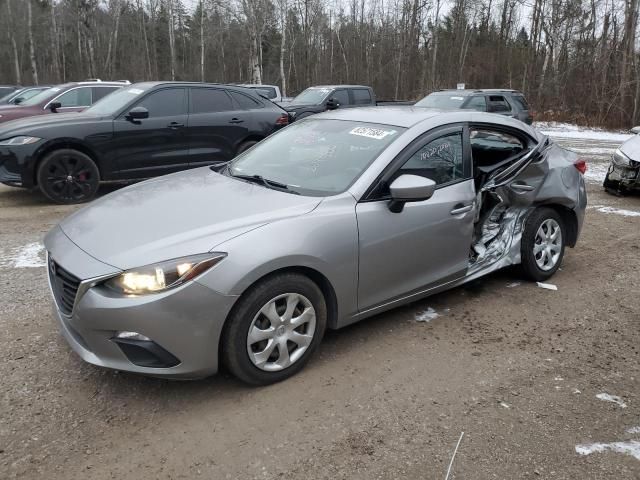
(281, 332)
(70, 178)
(548, 244)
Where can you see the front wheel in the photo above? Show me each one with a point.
(274, 329)
(542, 245)
(68, 176)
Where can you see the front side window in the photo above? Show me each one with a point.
(316, 157)
(164, 103)
(78, 97)
(477, 103)
(209, 100)
(441, 160)
(341, 96)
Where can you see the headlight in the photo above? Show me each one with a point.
(621, 159)
(22, 140)
(163, 276)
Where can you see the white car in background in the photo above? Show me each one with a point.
(272, 92)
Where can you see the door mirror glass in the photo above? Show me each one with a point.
(410, 188)
(138, 113)
(635, 130)
(54, 106)
(332, 104)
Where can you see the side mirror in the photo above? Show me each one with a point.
(137, 113)
(332, 104)
(54, 106)
(410, 188)
(635, 130)
(18, 101)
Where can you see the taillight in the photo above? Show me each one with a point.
(283, 120)
(581, 165)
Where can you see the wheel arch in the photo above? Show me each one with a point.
(569, 220)
(59, 144)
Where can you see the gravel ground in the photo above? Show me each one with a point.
(515, 367)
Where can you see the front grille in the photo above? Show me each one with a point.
(64, 285)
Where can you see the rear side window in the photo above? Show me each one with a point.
(209, 100)
(78, 97)
(245, 102)
(490, 147)
(497, 103)
(520, 101)
(164, 103)
(361, 96)
(477, 103)
(101, 92)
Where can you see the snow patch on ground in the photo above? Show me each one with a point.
(633, 430)
(567, 130)
(427, 315)
(615, 211)
(612, 398)
(631, 447)
(27, 256)
(596, 172)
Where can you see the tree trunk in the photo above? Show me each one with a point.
(172, 45)
(202, 40)
(32, 52)
(12, 38)
(283, 43)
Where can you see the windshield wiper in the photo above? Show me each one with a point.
(263, 181)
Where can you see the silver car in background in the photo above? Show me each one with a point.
(334, 219)
(623, 175)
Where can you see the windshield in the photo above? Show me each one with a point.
(444, 101)
(43, 96)
(116, 101)
(312, 96)
(316, 157)
(26, 94)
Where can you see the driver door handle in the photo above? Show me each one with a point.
(462, 209)
(175, 125)
(236, 120)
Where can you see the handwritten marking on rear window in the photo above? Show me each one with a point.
(376, 133)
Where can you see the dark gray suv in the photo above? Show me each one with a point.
(504, 102)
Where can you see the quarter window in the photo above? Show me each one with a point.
(78, 97)
(244, 101)
(208, 100)
(164, 103)
(440, 160)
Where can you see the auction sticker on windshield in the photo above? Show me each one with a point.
(376, 133)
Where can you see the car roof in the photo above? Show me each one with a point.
(407, 117)
(339, 86)
(471, 91)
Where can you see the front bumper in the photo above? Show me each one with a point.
(16, 165)
(185, 322)
(623, 178)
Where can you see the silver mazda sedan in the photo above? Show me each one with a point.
(336, 218)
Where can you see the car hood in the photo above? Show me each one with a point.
(631, 148)
(177, 215)
(27, 123)
(297, 106)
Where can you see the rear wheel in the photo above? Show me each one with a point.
(274, 329)
(68, 176)
(542, 245)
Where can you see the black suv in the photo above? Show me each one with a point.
(504, 102)
(140, 131)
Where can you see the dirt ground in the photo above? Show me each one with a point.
(515, 367)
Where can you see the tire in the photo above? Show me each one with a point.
(67, 176)
(244, 146)
(540, 263)
(258, 359)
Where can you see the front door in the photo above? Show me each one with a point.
(155, 145)
(427, 244)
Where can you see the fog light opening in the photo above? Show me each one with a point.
(132, 336)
